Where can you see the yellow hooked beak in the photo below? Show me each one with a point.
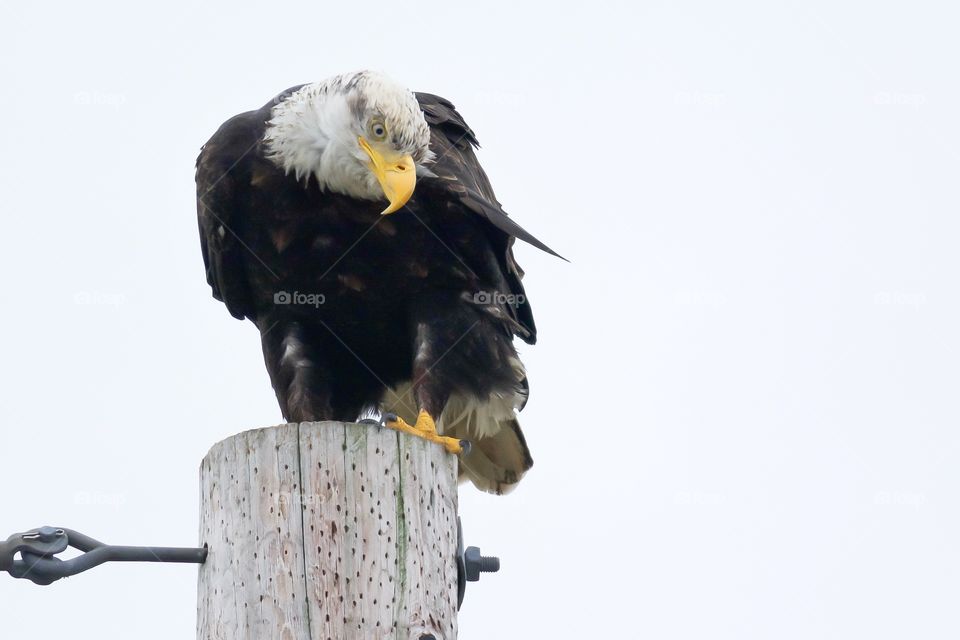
(396, 174)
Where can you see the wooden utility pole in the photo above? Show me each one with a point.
(328, 530)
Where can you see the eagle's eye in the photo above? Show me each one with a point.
(378, 131)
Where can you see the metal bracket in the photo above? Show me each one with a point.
(470, 564)
(38, 548)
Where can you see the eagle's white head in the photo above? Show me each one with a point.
(359, 134)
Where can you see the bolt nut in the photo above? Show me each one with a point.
(475, 564)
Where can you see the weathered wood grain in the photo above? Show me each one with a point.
(328, 531)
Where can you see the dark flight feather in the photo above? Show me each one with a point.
(470, 182)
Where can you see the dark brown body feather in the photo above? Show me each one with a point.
(385, 299)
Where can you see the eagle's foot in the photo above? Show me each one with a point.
(425, 428)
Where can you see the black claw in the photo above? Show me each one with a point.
(466, 446)
(369, 421)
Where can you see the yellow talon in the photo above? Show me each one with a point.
(425, 428)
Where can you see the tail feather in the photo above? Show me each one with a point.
(498, 457)
(497, 463)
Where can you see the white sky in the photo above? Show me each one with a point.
(744, 400)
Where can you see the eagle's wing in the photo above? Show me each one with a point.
(223, 178)
(457, 161)
(224, 254)
(458, 173)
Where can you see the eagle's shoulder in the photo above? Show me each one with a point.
(240, 136)
(229, 164)
(443, 117)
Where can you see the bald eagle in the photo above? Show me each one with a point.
(407, 311)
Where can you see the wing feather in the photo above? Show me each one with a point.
(220, 227)
(223, 181)
(458, 174)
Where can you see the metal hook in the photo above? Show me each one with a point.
(38, 548)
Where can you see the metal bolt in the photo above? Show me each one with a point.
(475, 563)
(470, 564)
